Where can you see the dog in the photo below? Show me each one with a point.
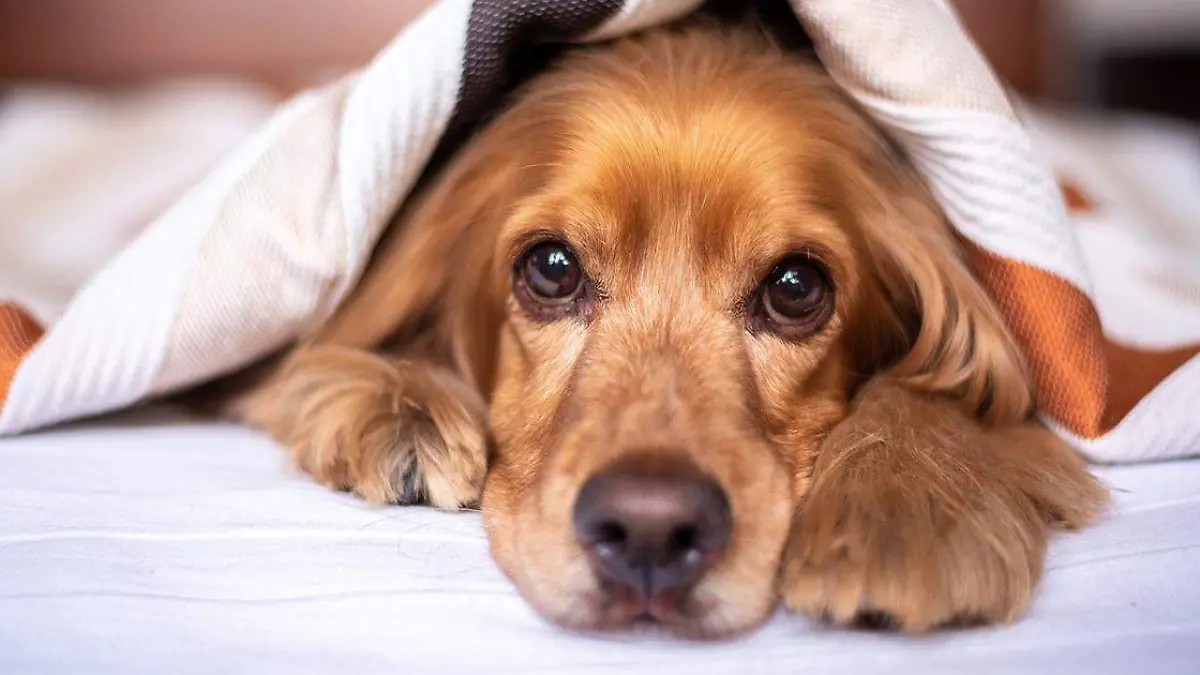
(697, 338)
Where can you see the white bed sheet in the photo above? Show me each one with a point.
(159, 545)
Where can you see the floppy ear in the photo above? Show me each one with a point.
(433, 286)
(929, 321)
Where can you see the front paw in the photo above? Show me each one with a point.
(884, 547)
(917, 517)
(390, 431)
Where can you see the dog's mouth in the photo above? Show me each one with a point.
(680, 611)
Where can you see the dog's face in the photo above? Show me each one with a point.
(674, 347)
(668, 266)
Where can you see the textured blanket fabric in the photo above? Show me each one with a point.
(266, 247)
(150, 545)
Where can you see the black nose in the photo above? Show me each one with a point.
(652, 527)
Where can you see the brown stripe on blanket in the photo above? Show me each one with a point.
(1082, 379)
(507, 42)
(1076, 199)
(19, 332)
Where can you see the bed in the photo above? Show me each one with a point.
(152, 542)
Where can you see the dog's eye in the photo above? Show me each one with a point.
(550, 283)
(550, 271)
(797, 296)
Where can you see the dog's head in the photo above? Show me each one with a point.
(668, 266)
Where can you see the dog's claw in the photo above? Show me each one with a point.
(410, 487)
(869, 619)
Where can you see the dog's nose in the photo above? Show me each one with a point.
(652, 528)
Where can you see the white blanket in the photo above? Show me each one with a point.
(155, 545)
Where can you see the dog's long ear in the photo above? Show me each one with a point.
(929, 321)
(433, 285)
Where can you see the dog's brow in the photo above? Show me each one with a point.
(526, 238)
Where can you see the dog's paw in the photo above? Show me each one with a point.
(390, 431)
(917, 517)
(895, 551)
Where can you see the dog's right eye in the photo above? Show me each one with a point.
(549, 279)
(796, 298)
(551, 271)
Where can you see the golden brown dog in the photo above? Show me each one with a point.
(713, 344)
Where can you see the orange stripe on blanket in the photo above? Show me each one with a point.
(1082, 379)
(1076, 199)
(19, 332)
(1133, 373)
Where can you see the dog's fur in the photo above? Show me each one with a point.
(882, 466)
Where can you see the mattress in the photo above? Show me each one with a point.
(151, 543)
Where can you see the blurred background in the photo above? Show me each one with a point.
(1142, 54)
(110, 108)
